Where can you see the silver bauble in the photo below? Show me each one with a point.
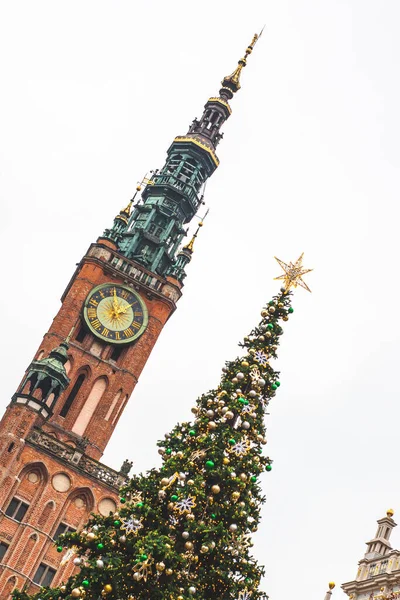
(210, 413)
(192, 590)
(252, 393)
(77, 561)
(240, 375)
(246, 425)
(185, 535)
(233, 527)
(99, 564)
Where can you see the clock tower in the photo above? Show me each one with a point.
(69, 401)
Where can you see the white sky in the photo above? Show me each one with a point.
(92, 95)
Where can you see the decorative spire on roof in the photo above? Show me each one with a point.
(329, 592)
(231, 83)
(184, 256)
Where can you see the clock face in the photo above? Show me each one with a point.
(115, 313)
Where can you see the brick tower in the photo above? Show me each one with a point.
(58, 423)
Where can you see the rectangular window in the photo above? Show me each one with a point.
(17, 509)
(62, 528)
(44, 575)
(3, 550)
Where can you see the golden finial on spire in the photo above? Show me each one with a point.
(190, 245)
(231, 83)
(293, 273)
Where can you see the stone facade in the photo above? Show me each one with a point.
(50, 474)
(378, 574)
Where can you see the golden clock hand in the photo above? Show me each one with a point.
(123, 309)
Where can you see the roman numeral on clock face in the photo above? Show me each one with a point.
(96, 324)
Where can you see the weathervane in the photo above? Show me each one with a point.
(293, 273)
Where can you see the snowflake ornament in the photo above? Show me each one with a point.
(242, 447)
(255, 376)
(144, 568)
(131, 525)
(136, 497)
(173, 521)
(185, 505)
(261, 357)
(244, 595)
(248, 408)
(198, 454)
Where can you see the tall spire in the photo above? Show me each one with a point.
(153, 232)
(231, 83)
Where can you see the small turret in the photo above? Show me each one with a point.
(45, 380)
(380, 545)
(184, 257)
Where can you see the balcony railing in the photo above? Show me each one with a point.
(76, 457)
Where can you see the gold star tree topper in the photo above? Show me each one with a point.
(293, 273)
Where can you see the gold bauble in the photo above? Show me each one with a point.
(91, 536)
(244, 363)
(160, 567)
(211, 425)
(171, 506)
(190, 482)
(243, 476)
(210, 499)
(168, 546)
(76, 593)
(196, 558)
(331, 585)
(164, 481)
(179, 454)
(168, 571)
(180, 598)
(107, 588)
(63, 589)
(189, 545)
(226, 460)
(84, 532)
(190, 517)
(204, 549)
(215, 489)
(235, 495)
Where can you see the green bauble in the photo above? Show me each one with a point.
(143, 557)
(277, 383)
(270, 326)
(232, 442)
(174, 498)
(210, 465)
(290, 309)
(85, 583)
(122, 500)
(168, 451)
(100, 546)
(139, 504)
(59, 548)
(253, 478)
(274, 386)
(192, 432)
(117, 523)
(268, 468)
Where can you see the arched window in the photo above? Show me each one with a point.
(112, 405)
(90, 406)
(72, 395)
(23, 559)
(121, 407)
(8, 587)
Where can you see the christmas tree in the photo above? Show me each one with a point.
(184, 530)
